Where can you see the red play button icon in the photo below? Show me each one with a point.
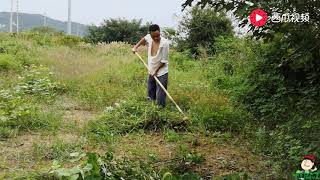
(258, 17)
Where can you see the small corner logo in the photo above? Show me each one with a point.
(309, 169)
(258, 17)
(308, 163)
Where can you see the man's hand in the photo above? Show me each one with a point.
(155, 73)
(141, 42)
(134, 50)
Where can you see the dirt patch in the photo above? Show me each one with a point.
(16, 154)
(144, 145)
(221, 158)
(79, 118)
(75, 114)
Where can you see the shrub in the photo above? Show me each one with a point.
(12, 46)
(284, 85)
(17, 113)
(17, 110)
(225, 118)
(15, 54)
(230, 67)
(66, 40)
(284, 108)
(7, 62)
(36, 80)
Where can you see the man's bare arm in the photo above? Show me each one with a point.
(158, 68)
(140, 43)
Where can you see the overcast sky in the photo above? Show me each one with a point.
(161, 12)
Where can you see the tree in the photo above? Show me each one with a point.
(117, 30)
(285, 93)
(241, 9)
(300, 41)
(170, 34)
(200, 28)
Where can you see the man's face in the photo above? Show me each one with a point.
(155, 35)
(307, 164)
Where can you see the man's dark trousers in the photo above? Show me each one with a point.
(155, 92)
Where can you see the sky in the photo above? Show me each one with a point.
(162, 12)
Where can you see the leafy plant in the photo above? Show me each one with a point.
(104, 167)
(107, 167)
(7, 62)
(36, 80)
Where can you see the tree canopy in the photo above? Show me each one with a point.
(117, 30)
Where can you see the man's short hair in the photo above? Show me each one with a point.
(154, 27)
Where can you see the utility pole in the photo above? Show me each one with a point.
(69, 17)
(44, 19)
(11, 16)
(77, 29)
(17, 16)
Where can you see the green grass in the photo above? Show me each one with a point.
(21, 103)
(134, 115)
(58, 150)
(107, 80)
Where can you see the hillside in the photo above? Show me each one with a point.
(28, 21)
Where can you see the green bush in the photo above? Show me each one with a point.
(220, 118)
(283, 90)
(13, 46)
(17, 113)
(37, 80)
(230, 67)
(8, 62)
(285, 99)
(66, 40)
(26, 58)
(182, 61)
(15, 54)
(285, 122)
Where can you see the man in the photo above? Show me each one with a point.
(158, 57)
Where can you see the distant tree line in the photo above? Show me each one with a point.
(197, 28)
(123, 30)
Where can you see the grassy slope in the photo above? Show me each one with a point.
(98, 77)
